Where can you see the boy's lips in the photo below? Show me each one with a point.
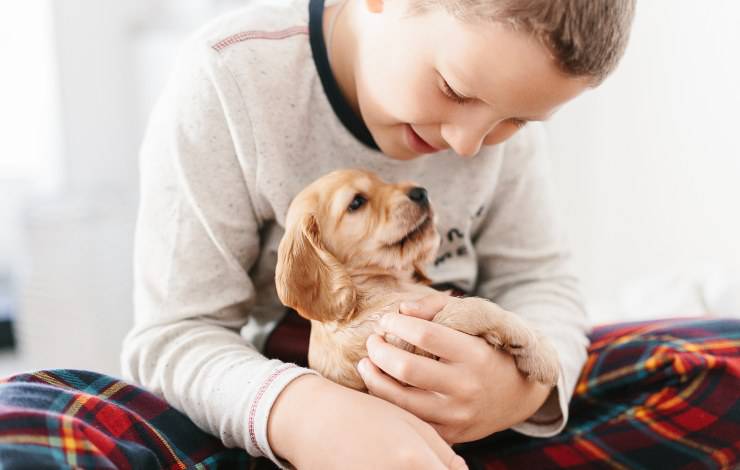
(416, 143)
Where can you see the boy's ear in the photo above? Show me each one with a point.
(309, 279)
(375, 6)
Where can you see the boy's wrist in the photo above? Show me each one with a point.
(535, 398)
(288, 415)
(523, 399)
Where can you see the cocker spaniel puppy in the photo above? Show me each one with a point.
(354, 248)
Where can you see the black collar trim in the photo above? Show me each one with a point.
(339, 104)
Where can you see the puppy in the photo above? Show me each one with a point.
(354, 248)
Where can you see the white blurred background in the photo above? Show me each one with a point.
(647, 168)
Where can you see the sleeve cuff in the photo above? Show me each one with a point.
(257, 444)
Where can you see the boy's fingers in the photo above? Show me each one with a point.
(426, 307)
(422, 404)
(458, 463)
(436, 339)
(444, 451)
(418, 371)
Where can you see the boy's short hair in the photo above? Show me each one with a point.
(586, 37)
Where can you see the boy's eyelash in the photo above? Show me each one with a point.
(519, 123)
(452, 95)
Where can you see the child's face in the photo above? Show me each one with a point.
(403, 62)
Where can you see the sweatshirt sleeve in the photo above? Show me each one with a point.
(197, 236)
(524, 267)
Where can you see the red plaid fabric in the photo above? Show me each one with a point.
(78, 419)
(652, 395)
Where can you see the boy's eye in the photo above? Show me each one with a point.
(356, 203)
(450, 93)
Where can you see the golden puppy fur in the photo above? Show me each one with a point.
(354, 248)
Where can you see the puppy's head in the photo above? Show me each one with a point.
(350, 220)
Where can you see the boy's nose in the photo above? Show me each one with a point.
(466, 130)
(464, 140)
(468, 147)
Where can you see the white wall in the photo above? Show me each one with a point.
(75, 280)
(28, 116)
(648, 164)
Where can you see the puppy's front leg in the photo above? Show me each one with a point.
(533, 354)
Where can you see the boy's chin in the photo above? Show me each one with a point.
(402, 156)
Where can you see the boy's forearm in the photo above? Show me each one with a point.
(285, 432)
(176, 362)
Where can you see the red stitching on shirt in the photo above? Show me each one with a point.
(260, 392)
(246, 35)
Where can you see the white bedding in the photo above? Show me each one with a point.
(711, 292)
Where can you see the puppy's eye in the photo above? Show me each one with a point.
(356, 203)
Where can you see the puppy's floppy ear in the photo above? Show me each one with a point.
(420, 275)
(309, 279)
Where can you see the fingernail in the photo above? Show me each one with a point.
(362, 366)
(409, 306)
(385, 321)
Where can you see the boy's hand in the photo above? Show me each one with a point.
(316, 423)
(473, 390)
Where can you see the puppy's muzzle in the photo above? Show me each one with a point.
(419, 196)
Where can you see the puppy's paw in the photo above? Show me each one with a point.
(510, 334)
(539, 362)
(533, 355)
(502, 329)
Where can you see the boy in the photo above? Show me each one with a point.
(441, 92)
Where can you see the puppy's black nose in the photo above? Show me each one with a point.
(419, 196)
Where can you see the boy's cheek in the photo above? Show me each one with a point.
(501, 134)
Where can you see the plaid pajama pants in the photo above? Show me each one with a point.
(652, 395)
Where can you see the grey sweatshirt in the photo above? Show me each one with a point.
(242, 126)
